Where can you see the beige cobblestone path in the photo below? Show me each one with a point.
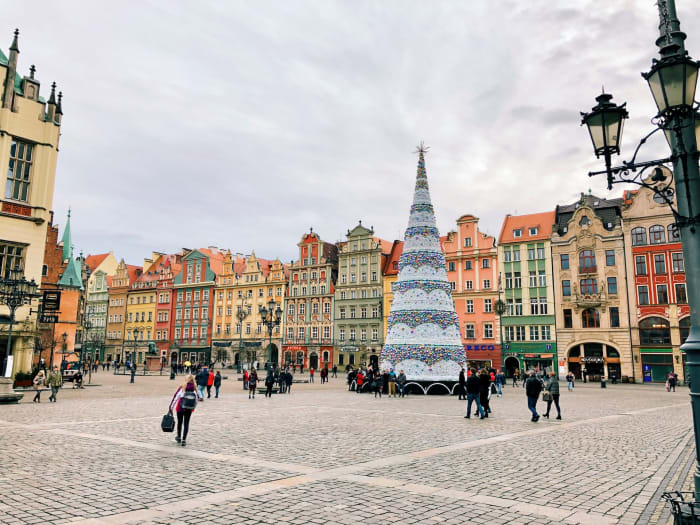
(325, 455)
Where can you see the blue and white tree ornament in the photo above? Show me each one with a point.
(423, 337)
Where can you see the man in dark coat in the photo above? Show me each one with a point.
(533, 387)
(461, 387)
(472, 386)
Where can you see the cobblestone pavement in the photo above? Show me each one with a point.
(326, 455)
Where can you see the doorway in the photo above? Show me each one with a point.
(511, 365)
(374, 361)
(313, 361)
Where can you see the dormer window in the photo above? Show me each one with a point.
(533, 231)
(585, 221)
(518, 232)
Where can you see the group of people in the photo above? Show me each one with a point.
(380, 382)
(53, 381)
(283, 379)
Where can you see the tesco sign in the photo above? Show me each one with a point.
(479, 347)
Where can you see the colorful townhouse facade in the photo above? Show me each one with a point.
(390, 273)
(308, 336)
(194, 289)
(591, 301)
(166, 267)
(358, 320)
(29, 144)
(472, 270)
(125, 274)
(100, 268)
(525, 272)
(656, 287)
(139, 327)
(245, 285)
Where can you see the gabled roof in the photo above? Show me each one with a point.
(393, 257)
(93, 261)
(134, 272)
(109, 281)
(607, 210)
(542, 221)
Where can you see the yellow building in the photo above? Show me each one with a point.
(245, 285)
(28, 152)
(141, 313)
(390, 273)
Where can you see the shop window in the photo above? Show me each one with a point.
(639, 236)
(590, 318)
(654, 331)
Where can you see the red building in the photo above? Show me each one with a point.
(308, 321)
(166, 267)
(658, 289)
(472, 269)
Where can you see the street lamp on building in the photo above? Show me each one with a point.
(271, 318)
(672, 81)
(64, 350)
(15, 291)
(241, 314)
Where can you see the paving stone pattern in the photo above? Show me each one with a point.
(326, 455)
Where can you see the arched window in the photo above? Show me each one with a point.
(674, 233)
(639, 236)
(300, 358)
(575, 351)
(657, 234)
(612, 352)
(590, 318)
(326, 356)
(684, 326)
(586, 259)
(654, 331)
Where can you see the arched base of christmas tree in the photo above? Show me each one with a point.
(422, 372)
(432, 388)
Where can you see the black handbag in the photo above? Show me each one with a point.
(167, 424)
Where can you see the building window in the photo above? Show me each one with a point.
(469, 332)
(586, 259)
(643, 295)
(326, 308)
(612, 285)
(375, 311)
(302, 309)
(363, 312)
(609, 257)
(654, 331)
(485, 263)
(568, 319)
(517, 282)
(659, 263)
(352, 334)
(506, 257)
(314, 308)
(487, 284)
(467, 265)
(531, 253)
(467, 242)
(657, 234)
(518, 307)
(534, 333)
(453, 285)
(640, 262)
(589, 286)
(540, 252)
(677, 262)
(326, 332)
(661, 294)
(564, 258)
(469, 285)
(488, 306)
(532, 231)
(533, 279)
(510, 333)
(534, 306)
(590, 318)
(352, 313)
(566, 288)
(314, 332)
(546, 333)
(509, 280)
(517, 233)
(614, 317)
(451, 266)
(520, 333)
(342, 313)
(639, 236)
(341, 334)
(543, 306)
(542, 277)
(674, 233)
(19, 170)
(470, 306)
(375, 334)
(11, 257)
(363, 335)
(681, 296)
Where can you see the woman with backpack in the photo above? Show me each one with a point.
(252, 383)
(183, 404)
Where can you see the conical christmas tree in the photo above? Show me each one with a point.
(423, 337)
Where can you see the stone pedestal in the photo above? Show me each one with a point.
(152, 363)
(7, 395)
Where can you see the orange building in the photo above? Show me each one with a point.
(125, 275)
(472, 269)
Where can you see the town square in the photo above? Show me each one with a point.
(336, 262)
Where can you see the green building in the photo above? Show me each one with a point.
(526, 288)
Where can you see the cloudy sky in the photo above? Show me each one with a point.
(242, 124)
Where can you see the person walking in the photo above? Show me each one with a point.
(39, 381)
(335, 371)
(462, 386)
(516, 378)
(202, 379)
(289, 378)
(252, 383)
(472, 388)
(269, 383)
(553, 389)
(311, 375)
(359, 381)
(210, 383)
(500, 382)
(183, 404)
(401, 382)
(570, 381)
(484, 387)
(133, 372)
(533, 387)
(55, 381)
(217, 383)
(671, 382)
(392, 383)
(246, 375)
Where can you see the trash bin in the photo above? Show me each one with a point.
(684, 509)
(602, 382)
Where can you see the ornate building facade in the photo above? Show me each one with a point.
(124, 276)
(359, 332)
(588, 255)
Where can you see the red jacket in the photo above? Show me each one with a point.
(210, 381)
(245, 375)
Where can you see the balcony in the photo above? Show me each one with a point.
(589, 301)
(587, 269)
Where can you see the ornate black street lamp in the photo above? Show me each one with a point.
(672, 80)
(241, 314)
(271, 318)
(15, 291)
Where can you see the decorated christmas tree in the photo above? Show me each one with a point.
(423, 337)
